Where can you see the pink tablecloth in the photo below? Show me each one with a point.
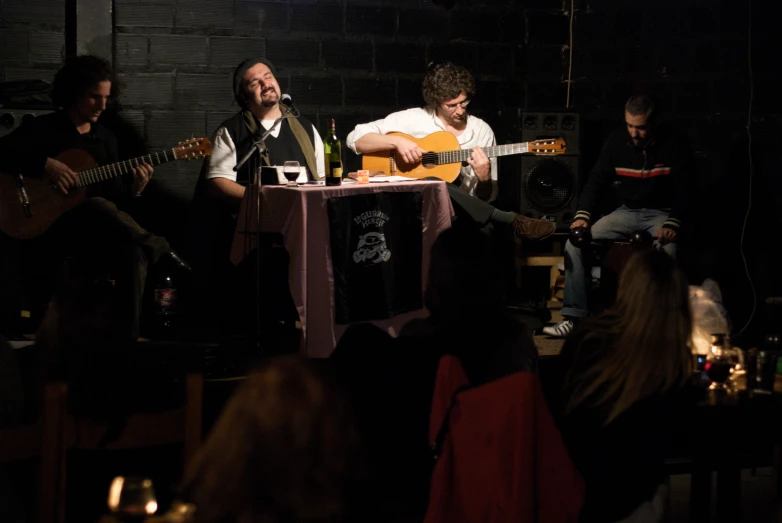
(300, 215)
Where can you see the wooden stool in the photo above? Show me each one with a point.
(548, 253)
(542, 261)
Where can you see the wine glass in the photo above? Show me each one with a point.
(132, 498)
(718, 366)
(291, 170)
(724, 363)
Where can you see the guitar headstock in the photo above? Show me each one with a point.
(193, 148)
(548, 146)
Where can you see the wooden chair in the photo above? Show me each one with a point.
(180, 425)
(59, 432)
(141, 430)
(45, 440)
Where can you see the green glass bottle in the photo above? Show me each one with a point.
(332, 150)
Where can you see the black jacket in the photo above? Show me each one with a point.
(655, 176)
(26, 149)
(622, 462)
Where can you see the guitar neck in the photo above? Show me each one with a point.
(461, 155)
(107, 172)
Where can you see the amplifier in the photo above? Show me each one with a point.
(536, 125)
(10, 119)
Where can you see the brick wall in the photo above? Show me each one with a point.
(32, 38)
(356, 60)
(360, 59)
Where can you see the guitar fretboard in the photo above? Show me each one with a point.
(461, 155)
(106, 172)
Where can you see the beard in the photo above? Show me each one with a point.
(272, 100)
(457, 121)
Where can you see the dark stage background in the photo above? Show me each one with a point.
(356, 60)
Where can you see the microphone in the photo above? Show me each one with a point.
(260, 145)
(286, 100)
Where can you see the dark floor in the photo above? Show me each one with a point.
(757, 502)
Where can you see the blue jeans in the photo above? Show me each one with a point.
(617, 226)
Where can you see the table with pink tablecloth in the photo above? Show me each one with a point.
(300, 215)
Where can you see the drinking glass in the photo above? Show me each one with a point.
(132, 498)
(721, 363)
(291, 170)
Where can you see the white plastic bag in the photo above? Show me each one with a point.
(708, 315)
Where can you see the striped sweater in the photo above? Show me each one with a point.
(653, 177)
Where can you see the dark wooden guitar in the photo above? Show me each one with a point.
(29, 206)
(444, 157)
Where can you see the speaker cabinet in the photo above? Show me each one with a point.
(538, 125)
(10, 119)
(550, 186)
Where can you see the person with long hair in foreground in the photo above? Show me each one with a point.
(622, 376)
(285, 449)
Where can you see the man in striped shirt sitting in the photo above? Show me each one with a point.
(650, 168)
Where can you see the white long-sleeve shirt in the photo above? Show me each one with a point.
(419, 122)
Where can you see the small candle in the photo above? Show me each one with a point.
(363, 176)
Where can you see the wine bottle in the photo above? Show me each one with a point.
(332, 150)
(166, 307)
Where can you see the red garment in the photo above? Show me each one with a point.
(502, 459)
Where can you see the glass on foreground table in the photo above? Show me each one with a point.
(724, 370)
(131, 499)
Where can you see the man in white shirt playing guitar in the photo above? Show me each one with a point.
(447, 89)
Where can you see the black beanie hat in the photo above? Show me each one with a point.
(239, 73)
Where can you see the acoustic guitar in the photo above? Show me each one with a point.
(444, 157)
(29, 206)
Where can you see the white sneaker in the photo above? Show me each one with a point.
(560, 330)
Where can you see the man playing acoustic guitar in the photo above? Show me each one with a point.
(447, 89)
(95, 230)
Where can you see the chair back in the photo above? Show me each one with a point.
(499, 454)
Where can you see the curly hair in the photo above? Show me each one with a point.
(446, 81)
(79, 74)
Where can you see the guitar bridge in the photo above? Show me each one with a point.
(392, 164)
(22, 194)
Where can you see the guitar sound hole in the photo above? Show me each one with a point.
(429, 160)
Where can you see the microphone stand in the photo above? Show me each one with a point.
(260, 146)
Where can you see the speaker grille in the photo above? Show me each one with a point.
(10, 119)
(549, 186)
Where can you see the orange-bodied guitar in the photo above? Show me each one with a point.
(445, 157)
(29, 206)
